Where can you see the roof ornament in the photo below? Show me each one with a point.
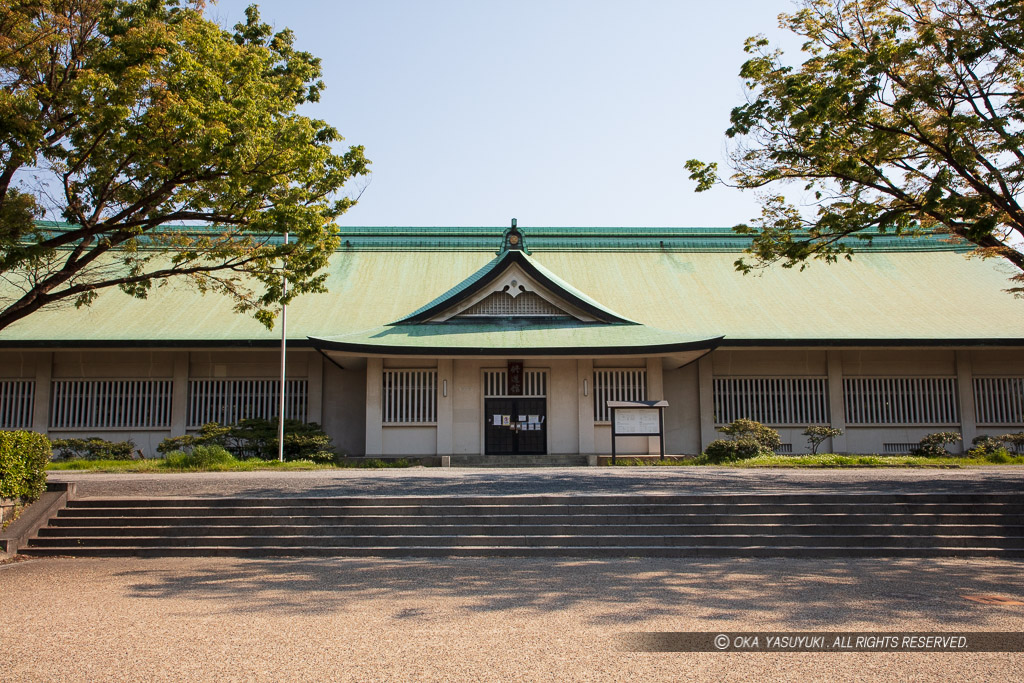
(512, 240)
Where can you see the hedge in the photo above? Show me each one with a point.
(23, 458)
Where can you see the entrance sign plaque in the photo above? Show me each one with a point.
(638, 418)
(515, 378)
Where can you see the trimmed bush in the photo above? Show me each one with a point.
(934, 445)
(730, 450)
(93, 448)
(816, 435)
(257, 438)
(764, 436)
(210, 434)
(23, 458)
(749, 439)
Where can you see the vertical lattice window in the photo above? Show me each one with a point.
(229, 400)
(17, 400)
(999, 400)
(409, 396)
(502, 304)
(772, 400)
(111, 404)
(901, 400)
(628, 384)
(535, 383)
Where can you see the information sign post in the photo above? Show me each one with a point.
(638, 418)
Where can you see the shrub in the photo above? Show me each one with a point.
(23, 458)
(934, 445)
(1016, 441)
(257, 438)
(93, 448)
(999, 456)
(766, 437)
(984, 445)
(203, 456)
(210, 434)
(816, 435)
(729, 450)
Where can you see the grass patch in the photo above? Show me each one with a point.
(203, 461)
(161, 465)
(832, 460)
(654, 462)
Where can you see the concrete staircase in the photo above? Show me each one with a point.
(595, 526)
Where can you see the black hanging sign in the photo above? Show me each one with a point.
(515, 378)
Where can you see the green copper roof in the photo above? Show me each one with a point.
(516, 337)
(882, 296)
(494, 269)
(619, 239)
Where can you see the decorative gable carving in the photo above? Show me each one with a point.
(513, 304)
(514, 294)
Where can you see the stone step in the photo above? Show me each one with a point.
(591, 552)
(548, 540)
(267, 530)
(544, 499)
(755, 525)
(620, 509)
(262, 519)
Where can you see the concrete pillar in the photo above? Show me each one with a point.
(705, 387)
(315, 388)
(837, 416)
(179, 393)
(445, 412)
(374, 387)
(41, 406)
(965, 386)
(585, 402)
(655, 392)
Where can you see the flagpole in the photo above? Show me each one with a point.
(284, 337)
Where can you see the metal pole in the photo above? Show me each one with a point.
(284, 337)
(613, 436)
(661, 431)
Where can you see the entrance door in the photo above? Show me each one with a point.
(515, 426)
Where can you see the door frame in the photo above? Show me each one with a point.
(482, 438)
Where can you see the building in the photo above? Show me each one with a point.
(478, 340)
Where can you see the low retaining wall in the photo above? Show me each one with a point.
(7, 506)
(34, 517)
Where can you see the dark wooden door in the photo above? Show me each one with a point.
(515, 426)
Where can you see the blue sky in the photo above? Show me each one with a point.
(559, 113)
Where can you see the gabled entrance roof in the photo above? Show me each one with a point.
(486, 276)
(587, 328)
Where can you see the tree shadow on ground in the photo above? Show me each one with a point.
(764, 592)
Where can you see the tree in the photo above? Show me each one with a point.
(907, 117)
(818, 434)
(169, 147)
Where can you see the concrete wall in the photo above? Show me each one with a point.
(964, 365)
(682, 417)
(346, 400)
(344, 404)
(165, 364)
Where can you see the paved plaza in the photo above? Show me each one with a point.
(494, 619)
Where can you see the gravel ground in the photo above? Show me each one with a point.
(484, 619)
(424, 481)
